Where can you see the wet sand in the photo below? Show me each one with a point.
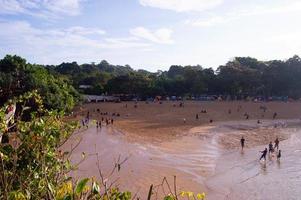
(154, 122)
(199, 160)
(204, 158)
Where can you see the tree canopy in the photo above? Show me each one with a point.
(240, 77)
(17, 77)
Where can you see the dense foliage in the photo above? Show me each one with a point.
(17, 77)
(240, 77)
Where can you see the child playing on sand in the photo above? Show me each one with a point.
(264, 153)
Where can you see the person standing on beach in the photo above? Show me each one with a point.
(264, 153)
(274, 115)
(271, 149)
(279, 155)
(276, 143)
(197, 116)
(86, 124)
(88, 115)
(242, 142)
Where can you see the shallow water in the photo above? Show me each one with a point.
(242, 176)
(197, 160)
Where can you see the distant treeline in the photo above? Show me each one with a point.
(241, 77)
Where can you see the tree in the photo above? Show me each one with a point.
(18, 77)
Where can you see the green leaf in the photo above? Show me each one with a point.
(169, 198)
(81, 185)
(95, 188)
(68, 197)
(50, 187)
(16, 195)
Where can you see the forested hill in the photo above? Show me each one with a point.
(242, 76)
(59, 85)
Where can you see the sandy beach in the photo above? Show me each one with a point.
(158, 122)
(203, 156)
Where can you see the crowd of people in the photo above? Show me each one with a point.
(271, 150)
(245, 115)
(103, 121)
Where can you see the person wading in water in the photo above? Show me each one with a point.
(242, 143)
(264, 154)
(276, 143)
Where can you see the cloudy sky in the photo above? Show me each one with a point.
(149, 34)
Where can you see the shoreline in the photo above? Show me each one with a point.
(193, 156)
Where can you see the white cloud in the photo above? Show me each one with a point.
(11, 7)
(293, 6)
(289, 41)
(206, 22)
(182, 5)
(289, 6)
(41, 8)
(57, 45)
(85, 31)
(68, 7)
(160, 36)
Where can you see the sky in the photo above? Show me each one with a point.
(149, 34)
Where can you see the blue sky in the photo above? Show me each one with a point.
(149, 34)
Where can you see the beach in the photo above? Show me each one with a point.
(203, 156)
(158, 122)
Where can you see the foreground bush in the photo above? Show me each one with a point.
(33, 167)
